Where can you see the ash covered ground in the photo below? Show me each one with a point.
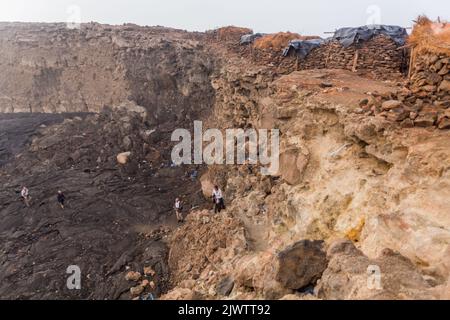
(112, 210)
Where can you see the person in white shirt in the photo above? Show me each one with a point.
(178, 209)
(25, 196)
(218, 199)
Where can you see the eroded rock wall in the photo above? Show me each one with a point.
(112, 163)
(50, 68)
(382, 187)
(342, 175)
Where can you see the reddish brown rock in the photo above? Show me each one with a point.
(133, 276)
(444, 124)
(391, 104)
(445, 86)
(425, 120)
(407, 123)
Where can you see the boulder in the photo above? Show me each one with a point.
(133, 276)
(148, 271)
(135, 291)
(182, 294)
(364, 102)
(258, 272)
(301, 264)
(292, 165)
(445, 86)
(207, 185)
(127, 142)
(132, 107)
(425, 120)
(286, 113)
(391, 104)
(225, 286)
(187, 284)
(352, 275)
(398, 114)
(122, 158)
(444, 124)
(444, 70)
(407, 123)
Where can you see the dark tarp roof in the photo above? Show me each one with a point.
(349, 36)
(249, 38)
(302, 47)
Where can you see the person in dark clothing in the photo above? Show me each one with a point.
(179, 210)
(217, 196)
(61, 198)
(194, 175)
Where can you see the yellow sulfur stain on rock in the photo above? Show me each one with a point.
(355, 233)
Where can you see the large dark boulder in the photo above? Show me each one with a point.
(225, 286)
(301, 264)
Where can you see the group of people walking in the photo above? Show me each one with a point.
(217, 197)
(25, 194)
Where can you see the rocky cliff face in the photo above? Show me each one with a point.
(107, 71)
(50, 68)
(358, 210)
(343, 175)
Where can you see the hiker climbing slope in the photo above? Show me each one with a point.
(218, 199)
(25, 196)
(178, 206)
(61, 198)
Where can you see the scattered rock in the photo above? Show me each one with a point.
(135, 291)
(391, 104)
(301, 264)
(364, 102)
(445, 86)
(407, 123)
(444, 124)
(398, 114)
(326, 85)
(133, 276)
(182, 294)
(293, 163)
(122, 158)
(352, 275)
(225, 286)
(425, 120)
(207, 185)
(148, 271)
(187, 284)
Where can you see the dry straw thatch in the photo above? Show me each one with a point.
(430, 36)
(279, 41)
(232, 33)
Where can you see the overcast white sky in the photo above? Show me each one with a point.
(306, 17)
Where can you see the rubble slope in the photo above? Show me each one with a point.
(359, 194)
